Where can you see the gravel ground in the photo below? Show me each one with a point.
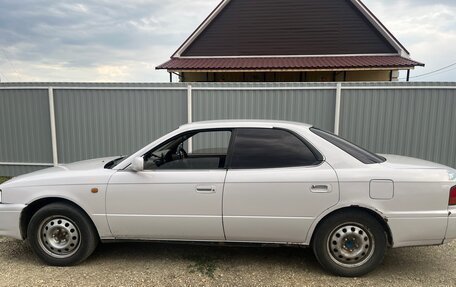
(156, 264)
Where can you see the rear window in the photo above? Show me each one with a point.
(355, 151)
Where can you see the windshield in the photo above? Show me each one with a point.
(355, 151)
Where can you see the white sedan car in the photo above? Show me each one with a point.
(238, 181)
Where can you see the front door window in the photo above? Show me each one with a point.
(197, 150)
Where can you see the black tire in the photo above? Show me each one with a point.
(62, 235)
(350, 243)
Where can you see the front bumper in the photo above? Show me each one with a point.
(451, 229)
(10, 215)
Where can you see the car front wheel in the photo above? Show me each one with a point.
(61, 235)
(350, 244)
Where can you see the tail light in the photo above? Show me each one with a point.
(452, 200)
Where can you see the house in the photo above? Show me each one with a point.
(290, 41)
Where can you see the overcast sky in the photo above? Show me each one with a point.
(123, 41)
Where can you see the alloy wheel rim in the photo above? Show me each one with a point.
(351, 245)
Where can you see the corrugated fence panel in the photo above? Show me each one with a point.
(308, 106)
(412, 122)
(96, 123)
(25, 134)
(103, 119)
(15, 170)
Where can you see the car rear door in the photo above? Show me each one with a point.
(275, 187)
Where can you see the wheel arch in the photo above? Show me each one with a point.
(371, 211)
(37, 204)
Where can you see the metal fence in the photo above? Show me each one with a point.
(46, 124)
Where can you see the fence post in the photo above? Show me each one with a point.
(337, 111)
(190, 114)
(55, 158)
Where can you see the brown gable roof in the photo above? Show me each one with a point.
(290, 63)
(290, 34)
(289, 27)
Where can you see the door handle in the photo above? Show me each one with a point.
(320, 188)
(205, 189)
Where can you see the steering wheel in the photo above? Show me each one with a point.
(181, 151)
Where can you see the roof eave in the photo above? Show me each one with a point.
(180, 70)
(283, 56)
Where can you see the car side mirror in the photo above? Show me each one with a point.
(137, 164)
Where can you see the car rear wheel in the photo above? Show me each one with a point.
(350, 244)
(61, 235)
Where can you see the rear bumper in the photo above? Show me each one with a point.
(451, 229)
(10, 215)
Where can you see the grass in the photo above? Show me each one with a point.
(204, 264)
(3, 179)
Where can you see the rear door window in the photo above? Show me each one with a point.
(270, 148)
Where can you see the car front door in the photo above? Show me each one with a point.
(179, 194)
(275, 188)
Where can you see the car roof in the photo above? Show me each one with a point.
(244, 124)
